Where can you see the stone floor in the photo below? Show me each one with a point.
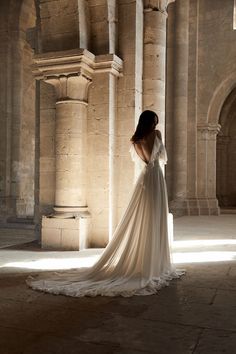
(195, 314)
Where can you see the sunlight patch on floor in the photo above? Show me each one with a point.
(55, 264)
(203, 257)
(193, 251)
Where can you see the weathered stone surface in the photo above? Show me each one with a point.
(43, 154)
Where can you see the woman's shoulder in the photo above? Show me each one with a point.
(158, 134)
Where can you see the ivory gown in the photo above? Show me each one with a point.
(137, 260)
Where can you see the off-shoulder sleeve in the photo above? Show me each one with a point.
(163, 154)
(132, 153)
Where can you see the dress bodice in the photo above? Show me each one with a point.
(158, 154)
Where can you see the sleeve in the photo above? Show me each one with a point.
(132, 153)
(163, 154)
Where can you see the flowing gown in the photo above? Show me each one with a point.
(137, 260)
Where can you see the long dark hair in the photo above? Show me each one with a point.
(147, 121)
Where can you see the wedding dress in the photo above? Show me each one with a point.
(137, 260)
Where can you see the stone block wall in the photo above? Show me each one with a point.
(17, 107)
(59, 24)
(99, 41)
(47, 148)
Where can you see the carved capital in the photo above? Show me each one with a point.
(71, 87)
(208, 131)
(156, 5)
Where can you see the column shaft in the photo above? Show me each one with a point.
(154, 61)
(71, 151)
(180, 101)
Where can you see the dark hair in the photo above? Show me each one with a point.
(145, 125)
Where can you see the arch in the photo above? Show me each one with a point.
(218, 98)
(226, 145)
(226, 115)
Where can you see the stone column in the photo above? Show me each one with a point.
(154, 62)
(180, 109)
(154, 65)
(70, 73)
(170, 66)
(71, 218)
(206, 169)
(71, 143)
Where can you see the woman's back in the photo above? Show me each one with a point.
(144, 146)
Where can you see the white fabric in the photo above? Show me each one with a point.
(137, 259)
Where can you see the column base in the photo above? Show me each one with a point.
(68, 233)
(195, 206)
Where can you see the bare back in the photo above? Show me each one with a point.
(144, 147)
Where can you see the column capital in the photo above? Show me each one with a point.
(70, 72)
(70, 87)
(208, 129)
(156, 5)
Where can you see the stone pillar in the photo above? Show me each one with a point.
(70, 73)
(154, 62)
(206, 169)
(71, 143)
(71, 218)
(180, 109)
(170, 66)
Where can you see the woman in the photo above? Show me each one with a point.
(137, 260)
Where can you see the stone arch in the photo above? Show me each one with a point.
(226, 147)
(218, 98)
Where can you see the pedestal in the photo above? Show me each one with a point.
(69, 234)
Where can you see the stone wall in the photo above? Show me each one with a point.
(17, 111)
(211, 67)
(59, 24)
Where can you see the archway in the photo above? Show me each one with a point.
(226, 154)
